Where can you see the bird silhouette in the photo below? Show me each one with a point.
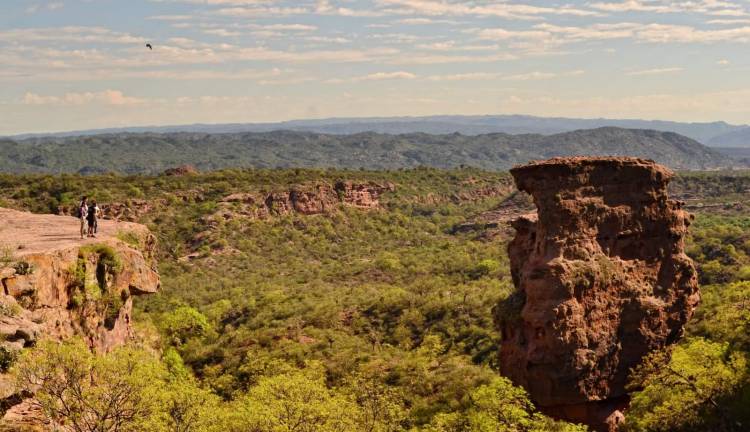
(148, 45)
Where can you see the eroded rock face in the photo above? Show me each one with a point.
(57, 286)
(602, 280)
(306, 199)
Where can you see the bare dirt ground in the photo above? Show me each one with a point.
(28, 233)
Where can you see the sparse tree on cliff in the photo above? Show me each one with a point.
(88, 393)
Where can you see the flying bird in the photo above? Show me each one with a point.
(148, 45)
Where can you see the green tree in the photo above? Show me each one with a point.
(499, 407)
(381, 408)
(297, 401)
(88, 393)
(685, 391)
(185, 407)
(183, 323)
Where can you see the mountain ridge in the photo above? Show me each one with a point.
(708, 133)
(150, 153)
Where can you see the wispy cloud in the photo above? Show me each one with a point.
(458, 8)
(377, 76)
(50, 6)
(656, 71)
(107, 97)
(708, 7)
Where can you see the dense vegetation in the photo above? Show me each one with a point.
(153, 153)
(372, 320)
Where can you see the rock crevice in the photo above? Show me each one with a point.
(602, 280)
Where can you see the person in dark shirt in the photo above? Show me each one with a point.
(91, 217)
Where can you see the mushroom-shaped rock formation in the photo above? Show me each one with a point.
(602, 280)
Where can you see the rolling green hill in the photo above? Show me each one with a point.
(150, 153)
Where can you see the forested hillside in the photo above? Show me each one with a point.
(376, 315)
(153, 153)
(441, 125)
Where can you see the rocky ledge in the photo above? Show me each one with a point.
(56, 285)
(602, 280)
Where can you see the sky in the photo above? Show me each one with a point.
(83, 64)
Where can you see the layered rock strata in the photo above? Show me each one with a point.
(305, 199)
(602, 280)
(56, 285)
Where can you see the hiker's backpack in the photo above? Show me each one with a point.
(79, 213)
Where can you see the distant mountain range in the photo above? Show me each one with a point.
(716, 134)
(133, 153)
(739, 138)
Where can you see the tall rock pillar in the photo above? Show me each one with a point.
(602, 280)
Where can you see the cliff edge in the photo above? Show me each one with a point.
(56, 285)
(602, 280)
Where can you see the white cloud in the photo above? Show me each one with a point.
(259, 12)
(470, 76)
(424, 21)
(457, 8)
(67, 34)
(221, 32)
(219, 2)
(324, 7)
(106, 97)
(170, 17)
(377, 76)
(707, 7)
(50, 6)
(554, 35)
(528, 76)
(731, 21)
(655, 71)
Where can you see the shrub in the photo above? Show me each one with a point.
(23, 268)
(106, 256)
(130, 238)
(7, 358)
(184, 323)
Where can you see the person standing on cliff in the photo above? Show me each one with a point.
(83, 211)
(92, 217)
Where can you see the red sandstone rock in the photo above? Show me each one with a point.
(43, 298)
(181, 170)
(602, 280)
(306, 199)
(362, 195)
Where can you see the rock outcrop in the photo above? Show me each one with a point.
(602, 280)
(307, 199)
(181, 170)
(56, 285)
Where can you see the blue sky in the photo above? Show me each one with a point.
(78, 64)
